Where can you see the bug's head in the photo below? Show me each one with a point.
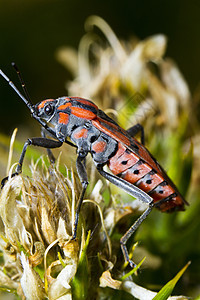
(46, 109)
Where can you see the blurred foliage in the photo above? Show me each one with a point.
(133, 82)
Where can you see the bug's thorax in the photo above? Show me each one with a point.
(65, 114)
(72, 117)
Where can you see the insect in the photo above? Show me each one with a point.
(90, 130)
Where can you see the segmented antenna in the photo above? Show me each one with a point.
(26, 101)
(22, 82)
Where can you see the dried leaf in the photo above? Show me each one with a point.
(47, 228)
(106, 280)
(14, 227)
(31, 283)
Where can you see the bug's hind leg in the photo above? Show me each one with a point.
(130, 231)
(136, 193)
(132, 131)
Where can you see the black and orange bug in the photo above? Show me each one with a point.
(90, 130)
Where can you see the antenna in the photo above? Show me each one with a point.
(26, 101)
(22, 82)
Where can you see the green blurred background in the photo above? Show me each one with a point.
(32, 31)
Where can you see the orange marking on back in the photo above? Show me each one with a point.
(167, 191)
(63, 118)
(42, 104)
(120, 137)
(156, 179)
(121, 149)
(81, 133)
(99, 147)
(146, 156)
(115, 163)
(82, 113)
(84, 101)
(131, 177)
(64, 106)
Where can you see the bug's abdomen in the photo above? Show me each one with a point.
(133, 169)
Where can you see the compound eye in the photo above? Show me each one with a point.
(49, 109)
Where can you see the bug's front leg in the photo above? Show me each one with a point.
(137, 193)
(80, 166)
(40, 142)
(49, 152)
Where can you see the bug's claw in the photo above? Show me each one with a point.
(132, 264)
(3, 181)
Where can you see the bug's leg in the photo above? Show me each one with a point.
(49, 152)
(135, 129)
(40, 142)
(80, 166)
(135, 192)
(130, 231)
